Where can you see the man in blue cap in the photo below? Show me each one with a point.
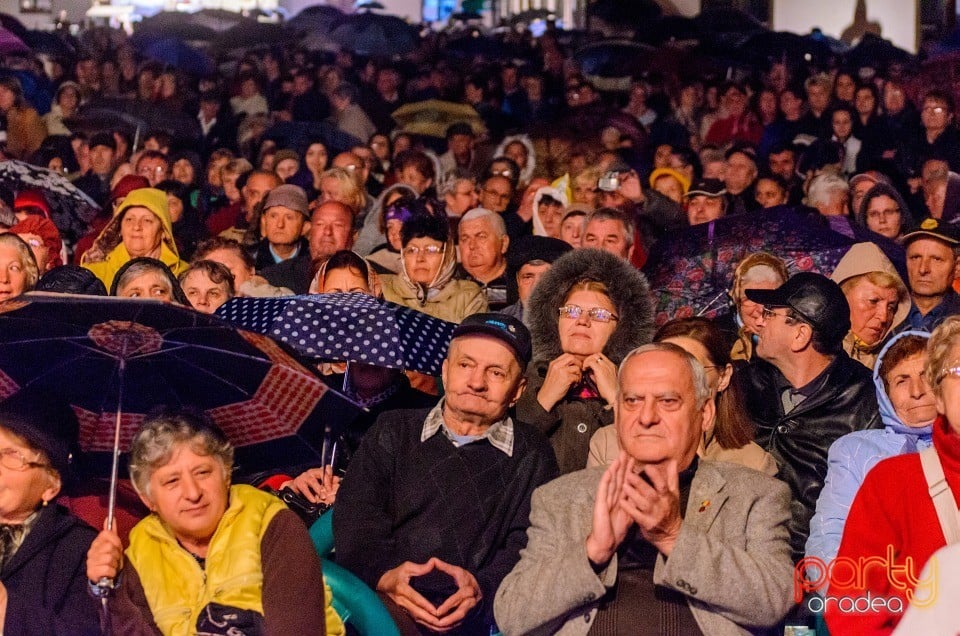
(434, 510)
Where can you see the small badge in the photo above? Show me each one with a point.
(929, 224)
(704, 505)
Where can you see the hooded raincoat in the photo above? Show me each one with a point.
(863, 258)
(109, 254)
(850, 459)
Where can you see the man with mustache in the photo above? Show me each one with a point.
(434, 509)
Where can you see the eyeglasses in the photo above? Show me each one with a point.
(769, 313)
(876, 214)
(499, 196)
(13, 459)
(429, 250)
(573, 312)
(937, 110)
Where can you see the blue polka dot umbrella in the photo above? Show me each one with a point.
(347, 327)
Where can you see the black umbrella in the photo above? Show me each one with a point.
(611, 64)
(52, 43)
(474, 44)
(132, 115)
(620, 12)
(13, 25)
(669, 28)
(876, 52)
(297, 134)
(71, 210)
(250, 33)
(767, 46)
(319, 18)
(375, 34)
(724, 28)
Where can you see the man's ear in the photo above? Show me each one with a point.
(504, 244)
(305, 229)
(709, 414)
(521, 385)
(803, 338)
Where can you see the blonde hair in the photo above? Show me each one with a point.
(884, 280)
(31, 271)
(352, 195)
(942, 340)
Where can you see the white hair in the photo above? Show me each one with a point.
(499, 227)
(825, 188)
(701, 386)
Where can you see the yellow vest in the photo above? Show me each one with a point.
(177, 589)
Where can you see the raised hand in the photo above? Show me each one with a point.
(655, 506)
(564, 371)
(610, 521)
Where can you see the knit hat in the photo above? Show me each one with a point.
(103, 139)
(45, 422)
(46, 230)
(286, 153)
(681, 179)
(288, 196)
(31, 199)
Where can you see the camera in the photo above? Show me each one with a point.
(609, 182)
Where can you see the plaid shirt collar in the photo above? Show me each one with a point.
(499, 434)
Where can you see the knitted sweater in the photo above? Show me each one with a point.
(407, 500)
(893, 510)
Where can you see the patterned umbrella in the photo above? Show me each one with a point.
(690, 271)
(70, 208)
(433, 116)
(351, 327)
(115, 359)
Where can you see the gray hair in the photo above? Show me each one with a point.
(155, 441)
(941, 343)
(824, 188)
(496, 221)
(450, 185)
(139, 268)
(701, 386)
(611, 214)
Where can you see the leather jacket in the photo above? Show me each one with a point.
(800, 440)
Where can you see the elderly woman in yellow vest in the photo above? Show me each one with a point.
(211, 558)
(141, 226)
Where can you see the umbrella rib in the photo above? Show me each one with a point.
(216, 377)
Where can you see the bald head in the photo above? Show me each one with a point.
(352, 163)
(331, 230)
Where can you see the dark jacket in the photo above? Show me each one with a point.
(293, 273)
(845, 401)
(46, 579)
(573, 420)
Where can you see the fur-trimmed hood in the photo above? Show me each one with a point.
(629, 292)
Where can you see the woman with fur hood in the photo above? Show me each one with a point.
(586, 313)
(521, 150)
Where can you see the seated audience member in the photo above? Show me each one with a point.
(586, 313)
(759, 270)
(803, 392)
(571, 227)
(140, 227)
(878, 300)
(549, 207)
(207, 285)
(231, 255)
(71, 279)
(437, 549)
(730, 438)
(610, 230)
(894, 516)
(257, 563)
(933, 261)
(374, 231)
(771, 190)
(42, 578)
(530, 258)
(395, 214)
(659, 537)
(706, 201)
(186, 225)
(18, 268)
(483, 243)
(43, 237)
(670, 183)
(884, 211)
(907, 409)
(283, 257)
(148, 279)
(426, 281)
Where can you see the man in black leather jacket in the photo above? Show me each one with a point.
(804, 392)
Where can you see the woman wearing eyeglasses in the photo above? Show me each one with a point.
(43, 548)
(426, 282)
(906, 508)
(586, 314)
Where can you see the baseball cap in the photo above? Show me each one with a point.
(504, 328)
(707, 187)
(932, 228)
(815, 298)
(289, 196)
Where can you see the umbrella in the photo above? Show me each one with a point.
(176, 25)
(874, 51)
(473, 44)
(10, 44)
(725, 27)
(610, 64)
(618, 12)
(250, 33)
(532, 15)
(54, 44)
(766, 46)
(375, 34)
(174, 52)
(316, 18)
(106, 113)
(71, 210)
(115, 359)
(352, 327)
(434, 116)
(669, 28)
(12, 24)
(691, 270)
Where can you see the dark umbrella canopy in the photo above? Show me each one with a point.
(691, 270)
(130, 115)
(350, 327)
(874, 51)
(252, 33)
(110, 355)
(316, 18)
(375, 34)
(614, 58)
(298, 134)
(71, 210)
(173, 52)
(54, 44)
(10, 44)
(633, 12)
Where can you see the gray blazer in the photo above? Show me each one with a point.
(731, 560)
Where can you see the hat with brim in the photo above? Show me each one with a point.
(932, 228)
(707, 187)
(816, 299)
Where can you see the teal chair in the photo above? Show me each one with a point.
(354, 601)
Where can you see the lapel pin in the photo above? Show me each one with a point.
(704, 505)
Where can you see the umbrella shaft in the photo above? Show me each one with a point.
(115, 468)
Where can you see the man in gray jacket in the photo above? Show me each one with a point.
(659, 542)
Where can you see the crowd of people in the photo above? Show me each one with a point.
(582, 464)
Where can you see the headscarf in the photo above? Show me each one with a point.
(373, 279)
(175, 290)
